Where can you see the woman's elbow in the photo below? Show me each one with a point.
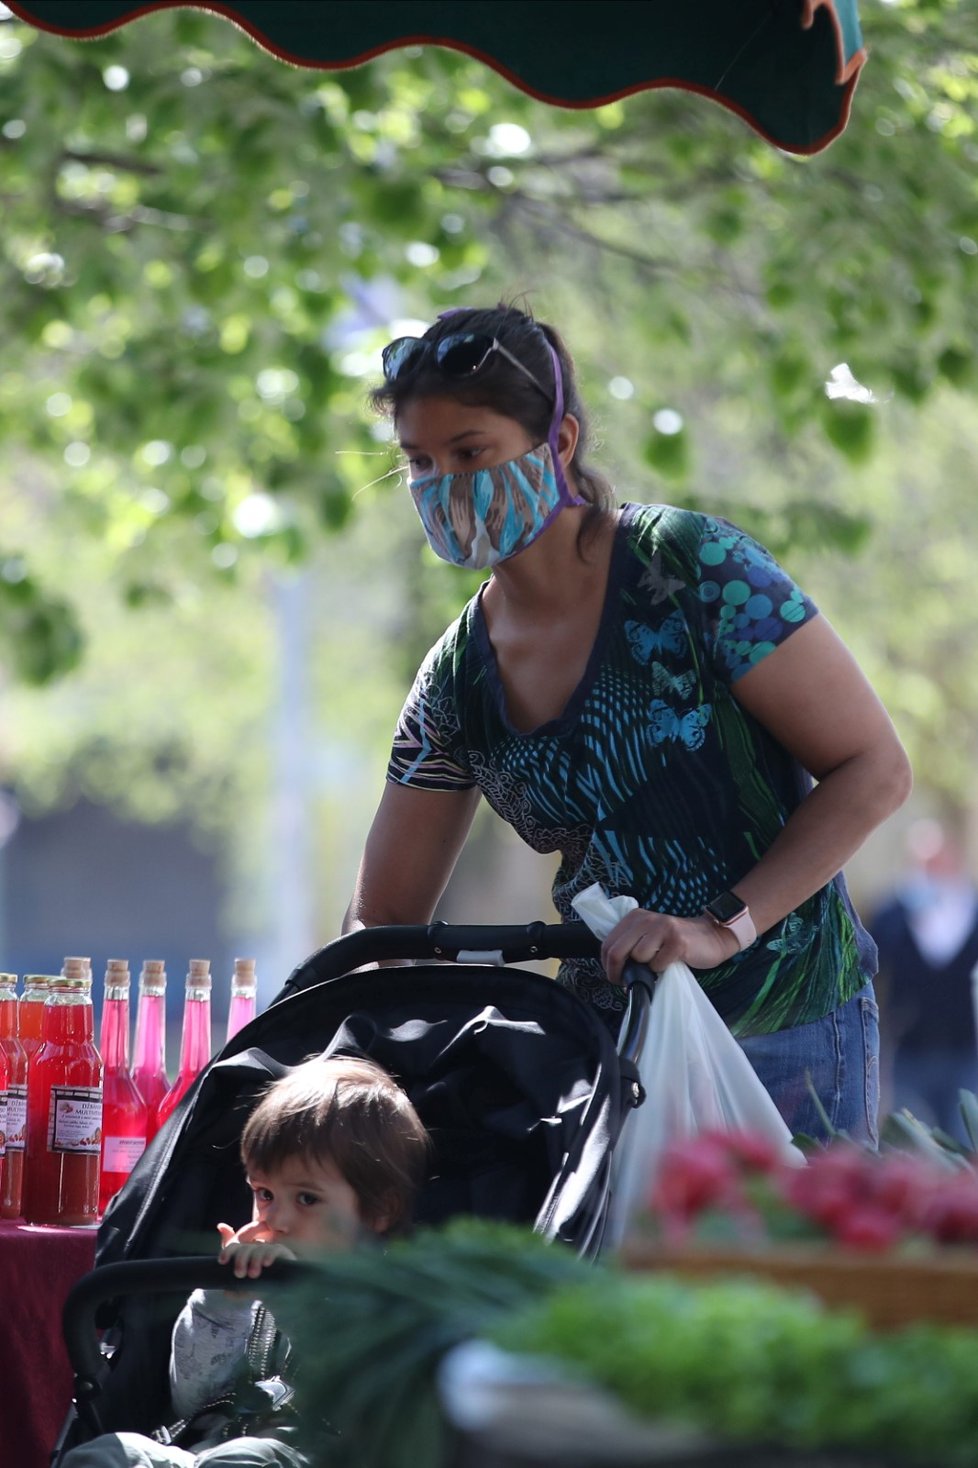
(894, 778)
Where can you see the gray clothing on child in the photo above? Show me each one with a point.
(210, 1341)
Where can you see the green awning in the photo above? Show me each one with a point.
(788, 67)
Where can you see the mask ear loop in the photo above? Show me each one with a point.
(556, 419)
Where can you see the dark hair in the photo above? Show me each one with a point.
(352, 1113)
(506, 390)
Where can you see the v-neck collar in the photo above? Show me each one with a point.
(572, 709)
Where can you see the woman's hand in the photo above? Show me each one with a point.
(656, 939)
(249, 1250)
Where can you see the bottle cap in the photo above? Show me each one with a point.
(7, 979)
(244, 973)
(69, 983)
(117, 973)
(199, 975)
(154, 968)
(38, 981)
(76, 968)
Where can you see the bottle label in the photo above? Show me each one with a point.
(16, 1118)
(3, 1123)
(122, 1153)
(75, 1119)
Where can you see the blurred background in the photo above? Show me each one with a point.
(213, 590)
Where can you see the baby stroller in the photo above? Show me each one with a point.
(519, 1083)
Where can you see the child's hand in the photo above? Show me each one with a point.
(249, 1250)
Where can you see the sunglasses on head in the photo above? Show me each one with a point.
(457, 356)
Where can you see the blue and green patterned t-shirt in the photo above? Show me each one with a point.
(654, 780)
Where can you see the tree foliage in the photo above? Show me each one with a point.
(203, 249)
(194, 233)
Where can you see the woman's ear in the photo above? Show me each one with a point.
(567, 436)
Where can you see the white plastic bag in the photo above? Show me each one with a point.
(695, 1076)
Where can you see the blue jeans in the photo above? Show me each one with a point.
(839, 1058)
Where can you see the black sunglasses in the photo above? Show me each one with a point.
(459, 355)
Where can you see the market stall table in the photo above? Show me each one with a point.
(38, 1266)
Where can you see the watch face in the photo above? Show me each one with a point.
(726, 907)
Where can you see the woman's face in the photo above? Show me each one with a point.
(442, 436)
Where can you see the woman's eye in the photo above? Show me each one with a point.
(420, 464)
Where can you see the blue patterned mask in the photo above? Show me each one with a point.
(480, 518)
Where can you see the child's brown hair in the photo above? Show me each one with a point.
(352, 1113)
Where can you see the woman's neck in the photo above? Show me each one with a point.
(557, 569)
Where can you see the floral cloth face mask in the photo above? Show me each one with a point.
(480, 518)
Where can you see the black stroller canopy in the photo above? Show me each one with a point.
(788, 67)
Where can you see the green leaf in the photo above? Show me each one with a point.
(851, 427)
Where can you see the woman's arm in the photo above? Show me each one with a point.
(410, 853)
(812, 697)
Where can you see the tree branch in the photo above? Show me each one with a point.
(101, 158)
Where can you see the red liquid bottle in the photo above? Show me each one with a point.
(149, 1063)
(16, 1128)
(64, 1107)
(30, 1010)
(195, 1041)
(244, 995)
(123, 1108)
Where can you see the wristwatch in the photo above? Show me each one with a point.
(730, 911)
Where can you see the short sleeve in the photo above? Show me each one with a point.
(428, 750)
(750, 603)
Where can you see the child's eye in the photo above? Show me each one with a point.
(263, 1195)
(307, 1200)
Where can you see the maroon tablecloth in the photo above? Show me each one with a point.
(38, 1266)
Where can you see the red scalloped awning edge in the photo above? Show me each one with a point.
(847, 71)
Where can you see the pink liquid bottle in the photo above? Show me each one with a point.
(16, 1127)
(149, 1063)
(123, 1108)
(195, 1041)
(244, 995)
(7, 983)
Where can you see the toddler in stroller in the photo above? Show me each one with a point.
(332, 1150)
(517, 1081)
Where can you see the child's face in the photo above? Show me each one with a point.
(306, 1204)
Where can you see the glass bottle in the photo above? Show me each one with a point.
(5, 980)
(149, 1062)
(195, 1040)
(64, 1107)
(123, 1108)
(30, 1010)
(16, 1128)
(244, 995)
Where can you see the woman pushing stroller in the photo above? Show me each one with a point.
(334, 1154)
(645, 690)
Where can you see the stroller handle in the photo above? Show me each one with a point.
(145, 1276)
(476, 943)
